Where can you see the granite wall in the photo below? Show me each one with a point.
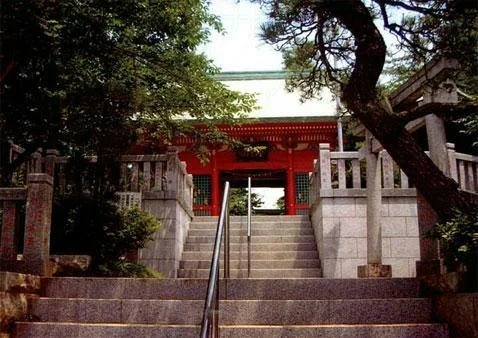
(340, 225)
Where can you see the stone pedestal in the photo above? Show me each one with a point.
(374, 270)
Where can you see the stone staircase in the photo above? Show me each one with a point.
(281, 247)
(267, 307)
(300, 307)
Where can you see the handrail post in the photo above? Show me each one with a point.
(249, 221)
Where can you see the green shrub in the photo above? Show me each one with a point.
(89, 225)
(458, 239)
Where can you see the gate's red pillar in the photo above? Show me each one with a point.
(215, 198)
(290, 185)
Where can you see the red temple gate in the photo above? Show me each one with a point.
(288, 148)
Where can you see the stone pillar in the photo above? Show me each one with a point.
(429, 249)
(36, 249)
(8, 250)
(436, 138)
(374, 267)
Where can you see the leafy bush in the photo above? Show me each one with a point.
(459, 239)
(89, 225)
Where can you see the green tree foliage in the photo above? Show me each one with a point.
(238, 201)
(459, 239)
(337, 44)
(281, 204)
(91, 77)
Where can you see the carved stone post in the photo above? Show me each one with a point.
(36, 248)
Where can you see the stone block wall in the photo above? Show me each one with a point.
(340, 225)
(164, 252)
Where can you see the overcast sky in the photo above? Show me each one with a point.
(240, 48)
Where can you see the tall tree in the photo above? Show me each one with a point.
(338, 43)
(90, 77)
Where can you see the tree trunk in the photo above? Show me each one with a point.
(361, 97)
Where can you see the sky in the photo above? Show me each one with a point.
(240, 48)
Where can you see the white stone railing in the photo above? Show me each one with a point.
(343, 170)
(463, 169)
(144, 173)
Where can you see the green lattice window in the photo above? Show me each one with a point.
(202, 190)
(301, 188)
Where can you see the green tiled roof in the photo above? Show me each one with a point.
(252, 75)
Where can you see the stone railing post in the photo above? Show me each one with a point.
(324, 167)
(50, 161)
(172, 171)
(36, 157)
(452, 161)
(36, 247)
(374, 267)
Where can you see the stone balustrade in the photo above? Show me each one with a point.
(340, 203)
(158, 184)
(346, 170)
(339, 206)
(463, 168)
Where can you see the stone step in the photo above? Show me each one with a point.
(254, 226)
(103, 330)
(297, 288)
(337, 331)
(255, 273)
(256, 218)
(259, 255)
(256, 232)
(256, 239)
(62, 330)
(255, 264)
(234, 312)
(254, 246)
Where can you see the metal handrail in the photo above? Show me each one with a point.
(249, 221)
(210, 322)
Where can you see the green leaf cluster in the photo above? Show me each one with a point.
(238, 201)
(92, 77)
(93, 225)
(459, 239)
